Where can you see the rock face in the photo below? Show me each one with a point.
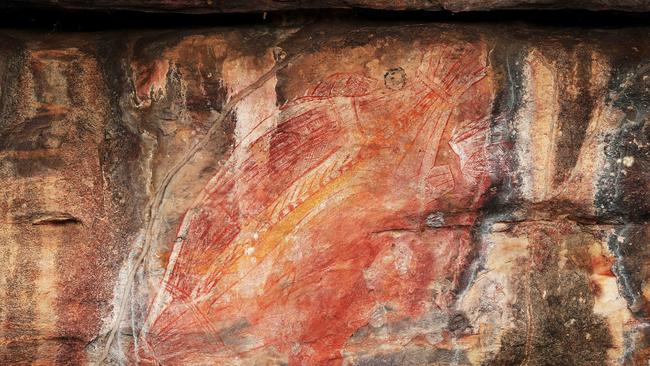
(227, 6)
(348, 194)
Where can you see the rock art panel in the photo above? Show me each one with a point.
(351, 168)
(436, 194)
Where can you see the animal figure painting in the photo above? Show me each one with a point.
(363, 196)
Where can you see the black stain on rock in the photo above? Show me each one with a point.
(632, 267)
(395, 79)
(415, 357)
(622, 187)
(576, 109)
(553, 313)
(458, 322)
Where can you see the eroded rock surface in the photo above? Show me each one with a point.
(228, 6)
(349, 195)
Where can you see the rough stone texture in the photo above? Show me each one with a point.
(336, 194)
(219, 6)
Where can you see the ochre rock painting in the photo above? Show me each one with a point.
(331, 215)
(331, 194)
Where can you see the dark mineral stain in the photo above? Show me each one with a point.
(575, 111)
(395, 78)
(632, 267)
(555, 323)
(622, 188)
(415, 357)
(506, 60)
(458, 322)
(11, 94)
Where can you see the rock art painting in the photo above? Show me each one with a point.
(327, 194)
(330, 217)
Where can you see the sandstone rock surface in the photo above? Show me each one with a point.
(348, 194)
(220, 6)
